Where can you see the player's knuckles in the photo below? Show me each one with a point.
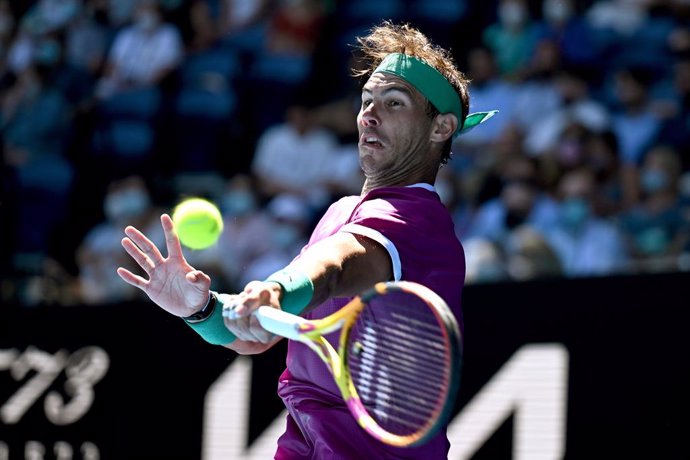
(260, 334)
(252, 287)
(241, 328)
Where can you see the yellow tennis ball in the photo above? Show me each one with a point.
(198, 223)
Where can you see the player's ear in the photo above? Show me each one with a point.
(443, 127)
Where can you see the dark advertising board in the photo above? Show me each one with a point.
(590, 368)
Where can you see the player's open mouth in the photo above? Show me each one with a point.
(371, 141)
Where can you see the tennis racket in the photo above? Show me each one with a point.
(397, 362)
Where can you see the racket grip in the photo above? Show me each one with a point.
(279, 322)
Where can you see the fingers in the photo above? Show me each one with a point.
(172, 242)
(131, 278)
(138, 255)
(197, 276)
(142, 245)
(254, 296)
(247, 328)
(238, 318)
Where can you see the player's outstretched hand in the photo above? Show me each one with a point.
(172, 283)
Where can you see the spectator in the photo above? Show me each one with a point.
(203, 32)
(529, 256)
(246, 237)
(485, 261)
(143, 53)
(294, 28)
(620, 18)
(634, 123)
(675, 130)
(563, 24)
(576, 104)
(284, 62)
(538, 94)
(129, 96)
(290, 220)
(294, 157)
(127, 200)
(242, 23)
(602, 158)
(88, 39)
(512, 37)
(585, 244)
(521, 201)
(655, 229)
(566, 155)
(489, 90)
(52, 15)
(120, 12)
(35, 121)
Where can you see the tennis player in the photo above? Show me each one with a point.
(413, 103)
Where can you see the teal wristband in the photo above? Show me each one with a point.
(298, 290)
(212, 329)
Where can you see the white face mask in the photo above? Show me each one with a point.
(238, 203)
(147, 21)
(557, 10)
(512, 14)
(284, 235)
(125, 204)
(653, 180)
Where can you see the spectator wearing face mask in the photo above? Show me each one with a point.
(290, 218)
(576, 105)
(600, 155)
(635, 123)
(585, 244)
(52, 15)
(674, 129)
(34, 119)
(127, 200)
(655, 228)
(521, 200)
(512, 37)
(488, 90)
(562, 22)
(142, 53)
(246, 237)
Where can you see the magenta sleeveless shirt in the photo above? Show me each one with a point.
(417, 230)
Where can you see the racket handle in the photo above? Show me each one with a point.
(279, 322)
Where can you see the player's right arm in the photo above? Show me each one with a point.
(341, 265)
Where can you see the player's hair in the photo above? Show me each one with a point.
(388, 38)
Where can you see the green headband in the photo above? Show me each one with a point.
(433, 86)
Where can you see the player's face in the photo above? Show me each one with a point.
(394, 129)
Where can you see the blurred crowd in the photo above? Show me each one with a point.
(112, 111)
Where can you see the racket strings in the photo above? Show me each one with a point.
(385, 393)
(400, 354)
(368, 366)
(398, 363)
(375, 371)
(431, 345)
